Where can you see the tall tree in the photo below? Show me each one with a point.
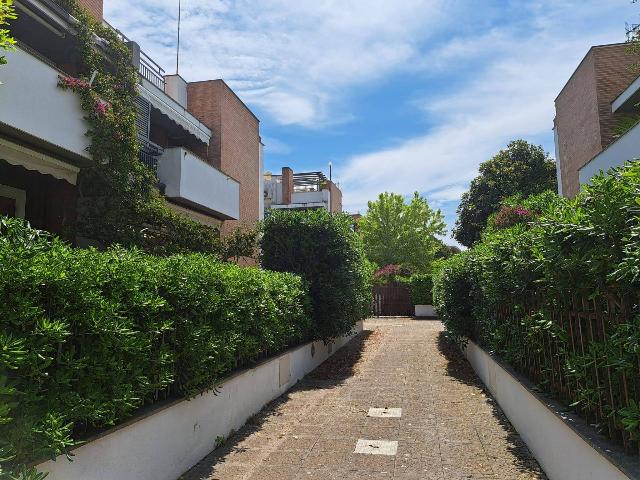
(395, 232)
(521, 168)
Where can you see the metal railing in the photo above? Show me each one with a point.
(151, 71)
(150, 153)
(147, 67)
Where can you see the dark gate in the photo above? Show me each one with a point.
(392, 301)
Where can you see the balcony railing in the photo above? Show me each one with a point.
(150, 153)
(147, 67)
(151, 71)
(191, 181)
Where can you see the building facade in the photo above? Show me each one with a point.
(201, 141)
(600, 95)
(301, 191)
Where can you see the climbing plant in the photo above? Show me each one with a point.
(119, 201)
(7, 12)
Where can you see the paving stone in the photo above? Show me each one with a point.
(445, 425)
(376, 447)
(385, 412)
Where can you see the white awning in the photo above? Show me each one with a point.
(31, 160)
(174, 111)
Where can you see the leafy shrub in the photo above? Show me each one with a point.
(452, 295)
(557, 297)
(420, 286)
(322, 248)
(87, 337)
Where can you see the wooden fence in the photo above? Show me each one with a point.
(392, 301)
(587, 353)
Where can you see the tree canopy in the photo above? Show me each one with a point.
(396, 232)
(520, 169)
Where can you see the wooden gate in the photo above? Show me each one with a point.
(392, 301)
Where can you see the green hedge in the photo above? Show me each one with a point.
(324, 250)
(420, 286)
(555, 294)
(88, 337)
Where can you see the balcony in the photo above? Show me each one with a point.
(194, 183)
(627, 147)
(31, 99)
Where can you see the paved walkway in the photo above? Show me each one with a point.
(447, 428)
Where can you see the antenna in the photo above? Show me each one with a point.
(178, 50)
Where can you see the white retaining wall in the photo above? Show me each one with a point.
(166, 443)
(424, 311)
(560, 450)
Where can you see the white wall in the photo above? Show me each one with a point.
(261, 181)
(627, 147)
(191, 179)
(560, 450)
(31, 101)
(166, 444)
(311, 197)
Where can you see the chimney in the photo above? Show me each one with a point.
(287, 185)
(176, 87)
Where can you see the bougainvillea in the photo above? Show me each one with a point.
(119, 201)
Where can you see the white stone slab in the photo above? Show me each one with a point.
(385, 412)
(376, 447)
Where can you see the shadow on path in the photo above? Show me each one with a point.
(330, 374)
(460, 369)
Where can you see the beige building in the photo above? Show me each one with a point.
(201, 141)
(602, 91)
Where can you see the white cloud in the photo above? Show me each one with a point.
(296, 60)
(275, 146)
(510, 95)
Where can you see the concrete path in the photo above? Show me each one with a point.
(397, 403)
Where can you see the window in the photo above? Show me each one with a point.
(12, 201)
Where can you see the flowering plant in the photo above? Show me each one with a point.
(72, 83)
(390, 274)
(509, 216)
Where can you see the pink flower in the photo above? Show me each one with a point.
(72, 82)
(102, 108)
(522, 211)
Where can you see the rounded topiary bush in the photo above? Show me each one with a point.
(323, 249)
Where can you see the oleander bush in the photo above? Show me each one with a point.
(553, 290)
(323, 249)
(88, 337)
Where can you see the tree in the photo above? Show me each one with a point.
(7, 12)
(395, 232)
(521, 168)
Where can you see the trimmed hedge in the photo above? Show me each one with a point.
(420, 286)
(88, 337)
(554, 292)
(324, 250)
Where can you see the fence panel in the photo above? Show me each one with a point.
(392, 301)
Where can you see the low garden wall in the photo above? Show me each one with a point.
(90, 339)
(552, 290)
(166, 442)
(562, 450)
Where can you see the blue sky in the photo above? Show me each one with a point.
(401, 95)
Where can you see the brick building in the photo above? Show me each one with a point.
(601, 92)
(200, 139)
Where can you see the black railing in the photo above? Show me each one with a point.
(147, 67)
(151, 71)
(150, 153)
